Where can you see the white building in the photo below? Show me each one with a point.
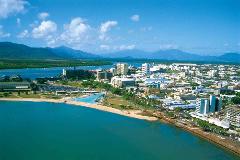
(233, 115)
(122, 82)
(146, 68)
(122, 69)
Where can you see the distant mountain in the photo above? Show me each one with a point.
(173, 54)
(134, 53)
(10, 50)
(66, 52)
(229, 57)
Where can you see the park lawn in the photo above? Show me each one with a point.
(23, 95)
(118, 102)
(8, 95)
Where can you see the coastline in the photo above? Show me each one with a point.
(128, 113)
(211, 137)
(224, 143)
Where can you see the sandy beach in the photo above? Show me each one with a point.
(128, 113)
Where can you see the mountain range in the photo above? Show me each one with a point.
(10, 50)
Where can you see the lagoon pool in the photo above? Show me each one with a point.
(90, 99)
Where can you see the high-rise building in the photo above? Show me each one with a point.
(211, 105)
(146, 68)
(104, 75)
(122, 69)
(218, 104)
(215, 104)
(64, 73)
(202, 106)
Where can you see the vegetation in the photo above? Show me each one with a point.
(236, 100)
(136, 101)
(170, 114)
(194, 85)
(13, 64)
(227, 92)
(79, 75)
(206, 126)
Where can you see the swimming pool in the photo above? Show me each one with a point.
(93, 98)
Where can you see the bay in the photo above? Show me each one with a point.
(50, 131)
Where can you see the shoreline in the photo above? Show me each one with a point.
(128, 113)
(211, 137)
(224, 143)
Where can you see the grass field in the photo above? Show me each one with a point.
(119, 102)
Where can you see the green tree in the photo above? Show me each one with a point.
(236, 100)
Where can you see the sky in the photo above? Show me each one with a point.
(206, 27)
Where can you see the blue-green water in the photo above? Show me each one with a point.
(48, 131)
(90, 99)
(33, 73)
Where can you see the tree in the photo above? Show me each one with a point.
(238, 94)
(5, 94)
(178, 109)
(236, 100)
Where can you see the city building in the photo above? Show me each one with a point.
(14, 86)
(205, 106)
(202, 106)
(146, 68)
(122, 82)
(173, 104)
(155, 82)
(122, 69)
(233, 115)
(103, 75)
(77, 74)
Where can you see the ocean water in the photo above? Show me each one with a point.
(50, 131)
(34, 73)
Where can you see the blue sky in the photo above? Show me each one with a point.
(197, 26)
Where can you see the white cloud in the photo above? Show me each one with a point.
(51, 42)
(144, 29)
(126, 47)
(104, 47)
(168, 46)
(106, 27)
(225, 44)
(23, 34)
(117, 47)
(75, 31)
(135, 17)
(18, 21)
(3, 34)
(44, 29)
(8, 7)
(43, 15)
